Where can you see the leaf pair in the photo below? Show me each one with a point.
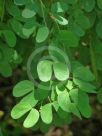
(26, 104)
(44, 69)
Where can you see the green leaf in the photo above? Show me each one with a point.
(41, 93)
(84, 86)
(31, 119)
(23, 88)
(10, 38)
(42, 34)
(17, 28)
(74, 110)
(83, 105)
(30, 99)
(88, 5)
(83, 73)
(68, 38)
(71, 1)
(83, 21)
(99, 96)
(21, 2)
(77, 30)
(5, 69)
(59, 7)
(60, 20)
(99, 3)
(44, 69)
(20, 109)
(2, 2)
(29, 28)
(61, 71)
(64, 100)
(14, 10)
(62, 114)
(74, 95)
(29, 11)
(69, 85)
(99, 29)
(45, 127)
(46, 113)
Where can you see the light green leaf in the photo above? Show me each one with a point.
(74, 95)
(20, 109)
(29, 11)
(61, 71)
(23, 88)
(68, 38)
(64, 100)
(30, 99)
(44, 69)
(60, 20)
(31, 119)
(69, 85)
(46, 113)
(42, 34)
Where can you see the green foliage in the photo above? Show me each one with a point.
(66, 39)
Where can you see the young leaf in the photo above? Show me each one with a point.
(60, 20)
(44, 69)
(61, 71)
(46, 113)
(68, 38)
(31, 119)
(42, 34)
(23, 88)
(20, 109)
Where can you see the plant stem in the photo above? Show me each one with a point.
(42, 8)
(93, 61)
